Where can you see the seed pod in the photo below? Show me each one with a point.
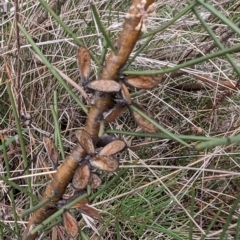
(70, 224)
(61, 203)
(107, 86)
(113, 148)
(114, 113)
(81, 177)
(84, 64)
(80, 203)
(92, 212)
(143, 82)
(105, 139)
(125, 94)
(144, 124)
(85, 141)
(51, 151)
(105, 163)
(95, 181)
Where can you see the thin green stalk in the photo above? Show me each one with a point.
(21, 140)
(83, 235)
(217, 41)
(52, 69)
(58, 132)
(192, 206)
(108, 184)
(54, 223)
(175, 137)
(10, 140)
(11, 195)
(195, 61)
(224, 19)
(102, 58)
(65, 27)
(102, 29)
(14, 185)
(117, 227)
(218, 142)
(139, 51)
(55, 108)
(229, 218)
(9, 229)
(162, 136)
(36, 207)
(166, 25)
(212, 223)
(237, 229)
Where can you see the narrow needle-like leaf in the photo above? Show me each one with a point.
(102, 29)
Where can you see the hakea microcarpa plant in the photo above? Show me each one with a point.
(102, 103)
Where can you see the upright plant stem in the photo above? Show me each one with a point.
(21, 140)
(125, 44)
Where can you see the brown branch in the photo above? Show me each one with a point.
(125, 44)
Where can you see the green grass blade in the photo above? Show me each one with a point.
(220, 53)
(21, 139)
(36, 207)
(162, 136)
(238, 229)
(14, 185)
(212, 223)
(224, 19)
(11, 194)
(218, 142)
(172, 21)
(229, 218)
(58, 132)
(102, 29)
(10, 140)
(217, 41)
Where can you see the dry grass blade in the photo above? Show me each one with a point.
(114, 113)
(90, 211)
(70, 224)
(85, 141)
(95, 181)
(51, 151)
(81, 177)
(125, 94)
(113, 148)
(143, 82)
(107, 86)
(144, 124)
(105, 163)
(84, 64)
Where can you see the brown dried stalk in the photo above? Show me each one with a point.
(125, 44)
